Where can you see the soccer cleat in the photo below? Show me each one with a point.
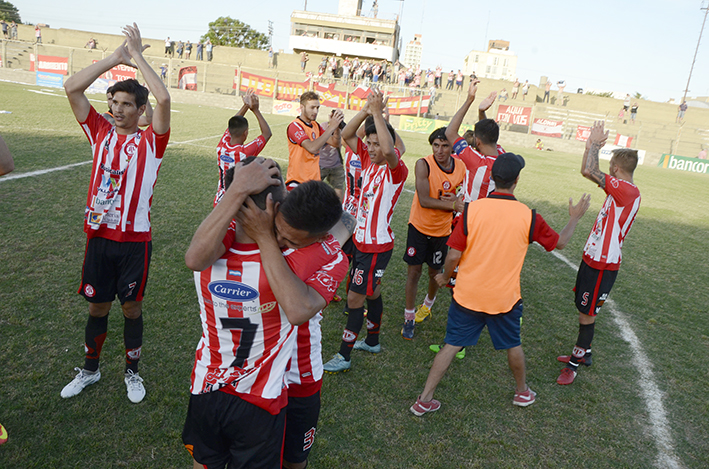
(80, 381)
(337, 364)
(134, 385)
(407, 332)
(423, 313)
(567, 376)
(586, 360)
(523, 399)
(336, 298)
(437, 348)
(419, 408)
(362, 345)
(3, 434)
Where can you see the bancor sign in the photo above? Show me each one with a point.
(682, 163)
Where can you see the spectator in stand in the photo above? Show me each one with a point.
(5, 33)
(180, 49)
(163, 72)
(515, 89)
(503, 94)
(681, 111)
(633, 112)
(449, 83)
(438, 75)
(303, 60)
(547, 91)
(200, 49)
(168, 46)
(91, 44)
(626, 102)
(188, 50)
(38, 35)
(702, 154)
(525, 89)
(208, 46)
(270, 57)
(13, 31)
(459, 81)
(560, 95)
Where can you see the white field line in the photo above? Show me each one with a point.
(651, 393)
(41, 171)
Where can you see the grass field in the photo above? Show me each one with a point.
(602, 420)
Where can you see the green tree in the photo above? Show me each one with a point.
(9, 13)
(226, 31)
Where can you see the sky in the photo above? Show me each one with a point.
(624, 46)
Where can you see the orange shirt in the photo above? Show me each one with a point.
(302, 165)
(431, 221)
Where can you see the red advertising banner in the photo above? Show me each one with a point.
(118, 73)
(49, 63)
(547, 127)
(623, 140)
(187, 78)
(582, 132)
(291, 90)
(330, 97)
(516, 115)
(263, 86)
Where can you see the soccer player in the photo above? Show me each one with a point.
(383, 177)
(305, 139)
(602, 252)
(125, 167)
(145, 120)
(438, 178)
(237, 414)
(232, 148)
(489, 245)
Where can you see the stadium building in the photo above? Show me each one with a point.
(498, 62)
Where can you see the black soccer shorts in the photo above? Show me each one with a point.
(592, 288)
(429, 249)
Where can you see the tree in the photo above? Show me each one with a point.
(9, 13)
(226, 31)
(638, 95)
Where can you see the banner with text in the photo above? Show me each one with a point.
(607, 152)
(52, 80)
(286, 108)
(330, 97)
(291, 90)
(547, 128)
(187, 78)
(426, 126)
(516, 115)
(51, 64)
(263, 86)
(582, 132)
(683, 163)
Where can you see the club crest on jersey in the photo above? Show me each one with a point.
(446, 185)
(131, 150)
(227, 159)
(614, 183)
(232, 291)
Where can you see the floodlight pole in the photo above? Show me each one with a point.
(686, 90)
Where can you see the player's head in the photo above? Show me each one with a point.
(309, 106)
(469, 137)
(277, 192)
(440, 146)
(238, 129)
(109, 97)
(371, 138)
(486, 132)
(505, 170)
(306, 214)
(129, 99)
(625, 160)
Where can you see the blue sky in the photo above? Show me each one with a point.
(623, 46)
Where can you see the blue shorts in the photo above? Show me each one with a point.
(464, 327)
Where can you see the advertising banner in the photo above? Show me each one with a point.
(623, 140)
(119, 73)
(417, 124)
(53, 80)
(547, 128)
(187, 78)
(263, 86)
(291, 90)
(607, 152)
(516, 115)
(683, 163)
(329, 97)
(286, 108)
(582, 132)
(51, 64)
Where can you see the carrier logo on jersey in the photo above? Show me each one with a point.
(234, 291)
(89, 291)
(227, 159)
(131, 150)
(356, 164)
(411, 251)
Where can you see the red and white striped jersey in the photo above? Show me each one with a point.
(353, 181)
(228, 155)
(381, 188)
(247, 341)
(603, 247)
(124, 172)
(478, 181)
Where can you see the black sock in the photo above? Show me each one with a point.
(94, 336)
(354, 324)
(583, 343)
(374, 320)
(133, 340)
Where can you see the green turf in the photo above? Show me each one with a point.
(600, 421)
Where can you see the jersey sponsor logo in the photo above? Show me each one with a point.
(227, 159)
(89, 291)
(356, 164)
(115, 172)
(411, 251)
(349, 336)
(234, 291)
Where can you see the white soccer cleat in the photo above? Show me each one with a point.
(80, 381)
(134, 385)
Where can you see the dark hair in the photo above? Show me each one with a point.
(312, 207)
(438, 134)
(501, 183)
(237, 125)
(132, 87)
(487, 131)
(109, 90)
(309, 96)
(372, 129)
(278, 192)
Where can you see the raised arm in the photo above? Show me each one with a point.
(7, 164)
(589, 165)
(314, 146)
(147, 118)
(454, 125)
(485, 105)
(398, 142)
(376, 104)
(206, 246)
(576, 212)
(134, 47)
(263, 125)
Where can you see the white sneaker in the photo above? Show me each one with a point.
(134, 385)
(82, 379)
